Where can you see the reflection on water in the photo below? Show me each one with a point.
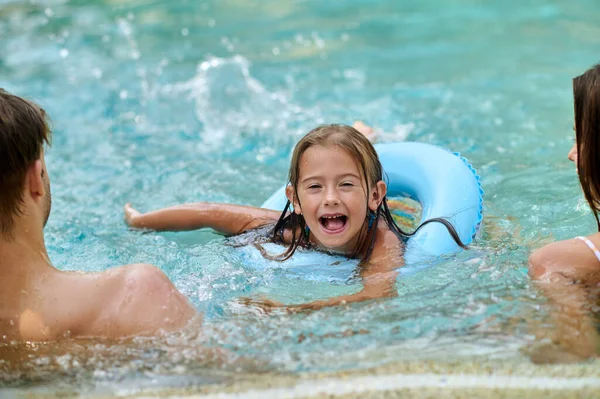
(165, 102)
(127, 366)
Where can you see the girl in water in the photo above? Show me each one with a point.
(339, 204)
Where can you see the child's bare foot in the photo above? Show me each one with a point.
(366, 130)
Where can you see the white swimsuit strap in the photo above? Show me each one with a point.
(590, 246)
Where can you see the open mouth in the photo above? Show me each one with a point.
(333, 223)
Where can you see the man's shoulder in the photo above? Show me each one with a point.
(97, 301)
(107, 281)
(121, 301)
(128, 276)
(132, 283)
(141, 272)
(141, 279)
(145, 300)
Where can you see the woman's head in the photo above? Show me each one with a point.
(586, 93)
(336, 181)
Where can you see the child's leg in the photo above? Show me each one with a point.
(366, 130)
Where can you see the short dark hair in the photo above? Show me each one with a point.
(24, 128)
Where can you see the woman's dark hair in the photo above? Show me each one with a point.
(363, 152)
(586, 94)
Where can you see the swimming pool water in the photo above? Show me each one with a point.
(165, 102)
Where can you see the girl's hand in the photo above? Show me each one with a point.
(263, 303)
(267, 305)
(131, 214)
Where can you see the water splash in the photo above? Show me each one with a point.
(233, 106)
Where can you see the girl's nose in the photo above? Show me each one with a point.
(331, 198)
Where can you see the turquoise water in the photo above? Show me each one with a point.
(165, 102)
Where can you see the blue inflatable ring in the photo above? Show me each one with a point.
(445, 184)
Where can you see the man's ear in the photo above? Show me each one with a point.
(377, 194)
(35, 181)
(290, 194)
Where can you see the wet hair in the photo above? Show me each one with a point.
(24, 128)
(586, 95)
(362, 151)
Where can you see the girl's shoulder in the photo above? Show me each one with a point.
(387, 245)
(385, 233)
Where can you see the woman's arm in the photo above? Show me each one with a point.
(567, 272)
(575, 330)
(224, 218)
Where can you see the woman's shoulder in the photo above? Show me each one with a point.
(575, 258)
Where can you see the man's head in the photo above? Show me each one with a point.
(23, 177)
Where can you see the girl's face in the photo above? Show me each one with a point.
(331, 195)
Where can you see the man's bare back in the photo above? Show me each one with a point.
(39, 302)
(130, 300)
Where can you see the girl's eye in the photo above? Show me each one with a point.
(313, 186)
(347, 184)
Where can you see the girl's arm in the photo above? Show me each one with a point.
(224, 218)
(376, 285)
(378, 275)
